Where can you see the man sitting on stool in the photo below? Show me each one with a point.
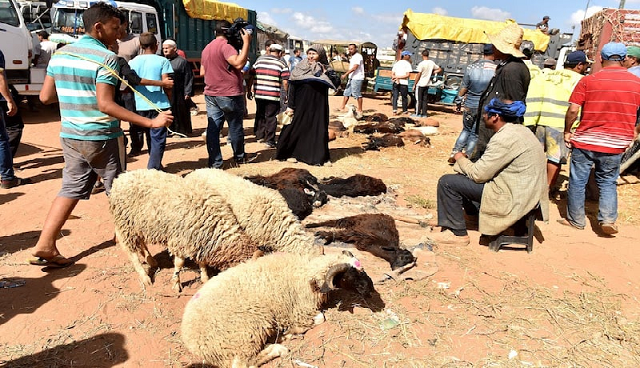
(507, 182)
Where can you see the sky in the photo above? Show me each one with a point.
(378, 20)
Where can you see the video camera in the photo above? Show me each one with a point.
(234, 37)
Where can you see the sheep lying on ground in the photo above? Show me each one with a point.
(377, 117)
(416, 137)
(373, 233)
(191, 221)
(379, 127)
(387, 140)
(231, 318)
(298, 179)
(262, 212)
(353, 186)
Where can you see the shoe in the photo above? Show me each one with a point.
(270, 145)
(248, 157)
(451, 161)
(609, 229)
(97, 187)
(447, 237)
(395, 113)
(16, 181)
(55, 262)
(568, 223)
(135, 153)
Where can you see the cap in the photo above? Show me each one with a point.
(551, 62)
(614, 51)
(275, 47)
(577, 57)
(406, 53)
(546, 17)
(633, 51)
(488, 49)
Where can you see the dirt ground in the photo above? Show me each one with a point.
(573, 301)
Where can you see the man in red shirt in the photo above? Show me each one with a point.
(221, 66)
(609, 100)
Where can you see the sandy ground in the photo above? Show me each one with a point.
(573, 301)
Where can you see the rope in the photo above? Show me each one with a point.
(117, 75)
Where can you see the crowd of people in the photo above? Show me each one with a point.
(520, 124)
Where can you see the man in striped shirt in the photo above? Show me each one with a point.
(609, 100)
(80, 77)
(270, 74)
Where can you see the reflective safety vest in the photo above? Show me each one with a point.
(548, 98)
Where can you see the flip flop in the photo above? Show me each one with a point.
(55, 262)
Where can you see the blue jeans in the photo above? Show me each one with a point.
(6, 159)
(468, 137)
(219, 109)
(606, 173)
(403, 90)
(156, 141)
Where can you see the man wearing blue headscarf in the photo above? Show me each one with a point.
(506, 183)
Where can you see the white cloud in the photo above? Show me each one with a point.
(281, 10)
(265, 17)
(310, 23)
(439, 10)
(579, 15)
(357, 10)
(395, 19)
(482, 12)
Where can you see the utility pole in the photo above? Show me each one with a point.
(621, 4)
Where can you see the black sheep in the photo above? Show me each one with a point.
(353, 186)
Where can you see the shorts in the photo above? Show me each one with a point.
(552, 141)
(84, 161)
(353, 89)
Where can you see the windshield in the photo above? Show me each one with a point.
(8, 13)
(68, 21)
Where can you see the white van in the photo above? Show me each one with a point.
(67, 25)
(16, 45)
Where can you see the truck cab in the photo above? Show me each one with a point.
(16, 44)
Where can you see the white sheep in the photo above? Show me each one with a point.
(262, 212)
(153, 207)
(230, 319)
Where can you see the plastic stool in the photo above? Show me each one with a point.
(526, 239)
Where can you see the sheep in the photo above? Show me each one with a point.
(262, 212)
(299, 179)
(380, 127)
(353, 186)
(230, 319)
(373, 233)
(387, 140)
(377, 117)
(153, 207)
(416, 137)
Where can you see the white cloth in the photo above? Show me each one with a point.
(400, 68)
(358, 74)
(426, 68)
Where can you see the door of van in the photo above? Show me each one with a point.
(15, 42)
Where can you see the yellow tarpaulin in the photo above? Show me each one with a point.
(214, 10)
(434, 26)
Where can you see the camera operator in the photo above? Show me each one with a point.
(221, 67)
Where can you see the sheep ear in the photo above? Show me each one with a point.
(309, 192)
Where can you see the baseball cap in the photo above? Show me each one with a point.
(613, 49)
(633, 51)
(405, 53)
(577, 57)
(546, 17)
(488, 49)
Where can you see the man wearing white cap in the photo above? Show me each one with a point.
(182, 88)
(609, 100)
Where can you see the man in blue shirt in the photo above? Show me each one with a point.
(81, 77)
(151, 66)
(476, 79)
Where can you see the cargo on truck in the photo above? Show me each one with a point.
(608, 25)
(453, 43)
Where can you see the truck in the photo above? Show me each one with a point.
(453, 43)
(608, 25)
(16, 43)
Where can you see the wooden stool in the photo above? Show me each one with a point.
(525, 225)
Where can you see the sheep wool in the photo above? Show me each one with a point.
(262, 212)
(228, 321)
(153, 207)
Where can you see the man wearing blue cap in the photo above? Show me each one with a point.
(400, 77)
(609, 100)
(508, 180)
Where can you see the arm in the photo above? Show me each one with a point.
(12, 109)
(188, 82)
(166, 80)
(48, 94)
(238, 61)
(498, 155)
(201, 70)
(569, 118)
(106, 105)
(353, 69)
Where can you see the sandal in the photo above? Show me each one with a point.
(55, 262)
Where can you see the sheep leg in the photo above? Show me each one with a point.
(150, 260)
(135, 260)
(299, 330)
(269, 353)
(178, 263)
(204, 276)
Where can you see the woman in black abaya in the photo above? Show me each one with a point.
(306, 139)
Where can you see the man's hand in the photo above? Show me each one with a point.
(164, 119)
(246, 36)
(567, 139)
(249, 95)
(12, 108)
(167, 83)
(458, 155)
(343, 76)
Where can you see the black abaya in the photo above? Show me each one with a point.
(307, 137)
(182, 87)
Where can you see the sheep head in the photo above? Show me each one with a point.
(348, 276)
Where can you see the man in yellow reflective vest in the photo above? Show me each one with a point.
(547, 101)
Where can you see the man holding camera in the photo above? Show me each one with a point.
(224, 95)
